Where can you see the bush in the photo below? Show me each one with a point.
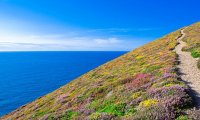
(101, 116)
(115, 109)
(182, 118)
(169, 83)
(195, 54)
(95, 116)
(148, 103)
(109, 107)
(138, 80)
(136, 95)
(155, 112)
(69, 115)
(150, 69)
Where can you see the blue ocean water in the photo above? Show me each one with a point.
(25, 76)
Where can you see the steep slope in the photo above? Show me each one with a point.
(140, 84)
(192, 39)
(188, 67)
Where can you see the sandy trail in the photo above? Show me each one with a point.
(189, 70)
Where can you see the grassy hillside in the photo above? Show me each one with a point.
(193, 41)
(140, 84)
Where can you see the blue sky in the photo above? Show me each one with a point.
(90, 25)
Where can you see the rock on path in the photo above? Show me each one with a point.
(188, 69)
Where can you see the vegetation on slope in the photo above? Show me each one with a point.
(193, 41)
(142, 84)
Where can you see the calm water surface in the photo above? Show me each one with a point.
(25, 76)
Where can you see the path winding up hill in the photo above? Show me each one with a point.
(188, 68)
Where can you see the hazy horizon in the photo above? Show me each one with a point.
(77, 25)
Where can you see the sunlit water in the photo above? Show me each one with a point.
(25, 76)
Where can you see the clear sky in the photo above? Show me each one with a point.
(90, 25)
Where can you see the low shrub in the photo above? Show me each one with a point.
(148, 103)
(150, 69)
(155, 112)
(95, 116)
(115, 109)
(169, 83)
(95, 104)
(101, 116)
(182, 117)
(195, 54)
(136, 95)
(130, 111)
(138, 80)
(166, 91)
(69, 115)
(109, 107)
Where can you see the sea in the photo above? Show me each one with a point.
(26, 76)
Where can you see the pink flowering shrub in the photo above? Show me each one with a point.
(166, 91)
(138, 80)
